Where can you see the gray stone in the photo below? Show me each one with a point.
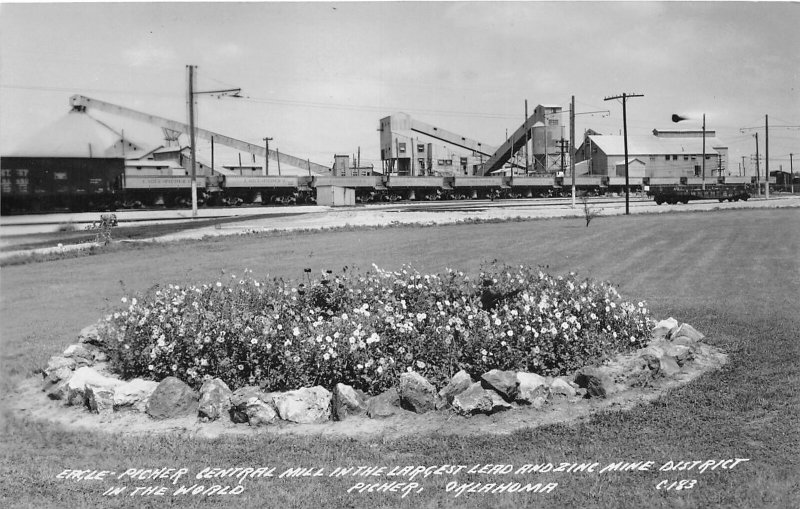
(240, 396)
(458, 384)
(499, 404)
(669, 366)
(55, 377)
(474, 400)
(172, 398)
(91, 334)
(662, 328)
(503, 382)
(685, 341)
(306, 405)
(560, 387)
(596, 382)
(416, 393)
(688, 331)
(348, 401)
(385, 404)
(252, 401)
(533, 389)
(134, 394)
(57, 362)
(215, 399)
(100, 400)
(651, 363)
(72, 390)
(681, 353)
(259, 412)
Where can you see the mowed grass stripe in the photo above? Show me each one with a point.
(724, 272)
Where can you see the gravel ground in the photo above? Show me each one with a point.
(382, 215)
(425, 213)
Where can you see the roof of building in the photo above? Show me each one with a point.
(77, 134)
(613, 145)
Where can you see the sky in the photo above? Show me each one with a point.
(317, 77)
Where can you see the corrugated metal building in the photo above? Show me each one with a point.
(662, 154)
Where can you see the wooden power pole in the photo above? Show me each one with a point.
(624, 98)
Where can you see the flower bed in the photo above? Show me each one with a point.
(365, 329)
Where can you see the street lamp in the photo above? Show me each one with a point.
(190, 93)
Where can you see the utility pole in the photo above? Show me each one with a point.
(278, 157)
(192, 147)
(758, 167)
(266, 157)
(744, 169)
(791, 170)
(624, 98)
(766, 157)
(526, 137)
(704, 155)
(572, 146)
(191, 93)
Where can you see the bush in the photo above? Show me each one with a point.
(366, 329)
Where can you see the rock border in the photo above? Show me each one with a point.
(79, 380)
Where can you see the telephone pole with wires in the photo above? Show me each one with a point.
(624, 98)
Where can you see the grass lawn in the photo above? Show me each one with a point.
(734, 275)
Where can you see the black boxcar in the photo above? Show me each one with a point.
(42, 184)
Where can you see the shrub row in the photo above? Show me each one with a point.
(364, 329)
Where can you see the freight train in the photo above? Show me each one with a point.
(38, 187)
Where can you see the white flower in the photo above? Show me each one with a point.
(420, 364)
(510, 333)
(253, 341)
(125, 299)
(296, 331)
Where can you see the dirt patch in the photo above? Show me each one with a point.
(30, 402)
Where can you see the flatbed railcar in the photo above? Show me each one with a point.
(687, 190)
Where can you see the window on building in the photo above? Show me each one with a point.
(464, 162)
(59, 175)
(553, 121)
(440, 162)
(401, 148)
(685, 158)
(666, 158)
(420, 148)
(448, 162)
(421, 163)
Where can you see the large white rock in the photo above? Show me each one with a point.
(458, 384)
(304, 406)
(662, 328)
(73, 389)
(348, 401)
(134, 394)
(533, 389)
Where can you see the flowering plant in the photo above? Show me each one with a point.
(365, 329)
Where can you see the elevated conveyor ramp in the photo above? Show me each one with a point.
(82, 103)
